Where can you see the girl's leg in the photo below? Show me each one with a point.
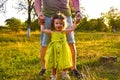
(54, 71)
(54, 76)
(65, 75)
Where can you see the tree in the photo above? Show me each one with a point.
(13, 23)
(112, 17)
(91, 25)
(83, 25)
(101, 26)
(3, 6)
(22, 6)
(35, 25)
(97, 25)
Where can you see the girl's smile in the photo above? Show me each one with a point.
(58, 24)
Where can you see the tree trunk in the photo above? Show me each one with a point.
(29, 21)
(114, 29)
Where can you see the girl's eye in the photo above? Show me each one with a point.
(59, 23)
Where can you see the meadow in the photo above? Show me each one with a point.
(20, 56)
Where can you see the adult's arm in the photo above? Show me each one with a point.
(37, 6)
(76, 5)
(41, 17)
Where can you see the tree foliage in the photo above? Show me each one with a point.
(91, 25)
(28, 6)
(13, 23)
(3, 6)
(109, 21)
(113, 19)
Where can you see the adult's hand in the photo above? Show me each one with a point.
(78, 16)
(41, 18)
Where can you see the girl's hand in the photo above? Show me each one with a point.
(77, 19)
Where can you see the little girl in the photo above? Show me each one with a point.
(58, 54)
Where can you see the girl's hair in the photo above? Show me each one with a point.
(57, 16)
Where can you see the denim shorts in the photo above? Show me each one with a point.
(46, 38)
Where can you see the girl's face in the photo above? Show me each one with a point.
(58, 24)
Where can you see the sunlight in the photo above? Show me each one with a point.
(93, 8)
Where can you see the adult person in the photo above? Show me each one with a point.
(47, 8)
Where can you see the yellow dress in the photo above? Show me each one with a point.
(58, 54)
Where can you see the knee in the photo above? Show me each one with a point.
(72, 45)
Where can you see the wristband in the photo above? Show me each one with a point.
(77, 12)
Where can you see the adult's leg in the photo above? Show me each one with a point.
(73, 51)
(42, 55)
(45, 39)
(71, 41)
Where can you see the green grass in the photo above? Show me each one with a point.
(20, 59)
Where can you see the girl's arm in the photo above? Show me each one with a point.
(73, 27)
(47, 31)
(42, 26)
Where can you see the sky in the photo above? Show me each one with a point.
(93, 8)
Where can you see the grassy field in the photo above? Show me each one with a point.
(20, 59)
